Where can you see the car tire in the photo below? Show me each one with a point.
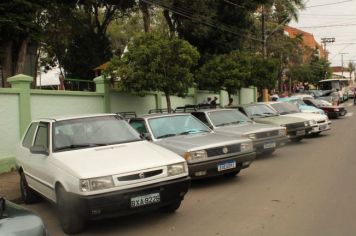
(28, 195)
(171, 208)
(232, 174)
(269, 152)
(71, 221)
(298, 139)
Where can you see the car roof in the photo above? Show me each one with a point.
(72, 117)
(155, 115)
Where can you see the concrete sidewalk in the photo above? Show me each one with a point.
(10, 187)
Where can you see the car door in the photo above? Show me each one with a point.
(39, 170)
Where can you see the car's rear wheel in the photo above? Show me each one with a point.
(171, 208)
(69, 218)
(232, 174)
(28, 195)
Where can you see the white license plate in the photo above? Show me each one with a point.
(322, 127)
(145, 200)
(226, 165)
(269, 145)
(300, 132)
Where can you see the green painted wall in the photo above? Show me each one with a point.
(247, 95)
(177, 101)
(44, 105)
(120, 102)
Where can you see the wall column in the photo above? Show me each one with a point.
(102, 86)
(23, 83)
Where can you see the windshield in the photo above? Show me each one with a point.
(260, 110)
(91, 132)
(285, 108)
(168, 126)
(227, 117)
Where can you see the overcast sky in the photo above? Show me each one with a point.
(336, 19)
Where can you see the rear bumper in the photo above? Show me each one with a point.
(266, 145)
(119, 202)
(211, 166)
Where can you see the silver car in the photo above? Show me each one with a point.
(206, 152)
(266, 138)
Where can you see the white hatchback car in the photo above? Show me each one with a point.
(97, 166)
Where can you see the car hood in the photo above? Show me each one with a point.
(308, 116)
(246, 128)
(278, 120)
(184, 143)
(114, 159)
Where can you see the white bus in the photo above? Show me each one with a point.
(337, 85)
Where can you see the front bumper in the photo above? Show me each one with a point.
(118, 203)
(299, 132)
(211, 166)
(321, 127)
(266, 145)
(335, 114)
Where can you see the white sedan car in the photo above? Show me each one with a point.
(97, 166)
(319, 122)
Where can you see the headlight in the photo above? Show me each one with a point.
(94, 184)
(282, 132)
(312, 122)
(195, 155)
(250, 136)
(246, 147)
(177, 169)
(306, 123)
(336, 109)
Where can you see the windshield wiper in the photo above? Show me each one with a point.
(166, 135)
(194, 131)
(230, 123)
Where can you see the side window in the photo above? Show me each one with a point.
(201, 116)
(139, 126)
(41, 138)
(28, 139)
(242, 111)
(308, 102)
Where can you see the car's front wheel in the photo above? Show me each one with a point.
(297, 139)
(28, 195)
(69, 218)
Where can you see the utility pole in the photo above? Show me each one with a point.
(264, 48)
(342, 62)
(325, 41)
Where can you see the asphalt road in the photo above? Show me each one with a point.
(305, 189)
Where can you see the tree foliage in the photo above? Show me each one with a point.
(156, 63)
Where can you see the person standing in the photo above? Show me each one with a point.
(213, 102)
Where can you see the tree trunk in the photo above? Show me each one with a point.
(169, 22)
(146, 15)
(7, 63)
(168, 100)
(21, 59)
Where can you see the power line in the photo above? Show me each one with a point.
(201, 21)
(327, 26)
(328, 4)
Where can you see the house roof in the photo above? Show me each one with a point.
(336, 69)
(102, 66)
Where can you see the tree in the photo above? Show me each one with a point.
(225, 72)
(264, 73)
(156, 63)
(351, 68)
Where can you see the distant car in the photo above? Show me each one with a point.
(301, 105)
(266, 138)
(351, 93)
(318, 122)
(332, 111)
(313, 92)
(16, 220)
(97, 166)
(207, 153)
(297, 128)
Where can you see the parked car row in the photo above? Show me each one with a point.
(104, 165)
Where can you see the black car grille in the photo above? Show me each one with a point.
(140, 175)
(220, 150)
(266, 134)
(296, 125)
(321, 121)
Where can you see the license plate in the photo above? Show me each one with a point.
(322, 127)
(145, 200)
(226, 165)
(300, 132)
(269, 145)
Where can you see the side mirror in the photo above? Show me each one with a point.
(2, 207)
(39, 150)
(146, 136)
